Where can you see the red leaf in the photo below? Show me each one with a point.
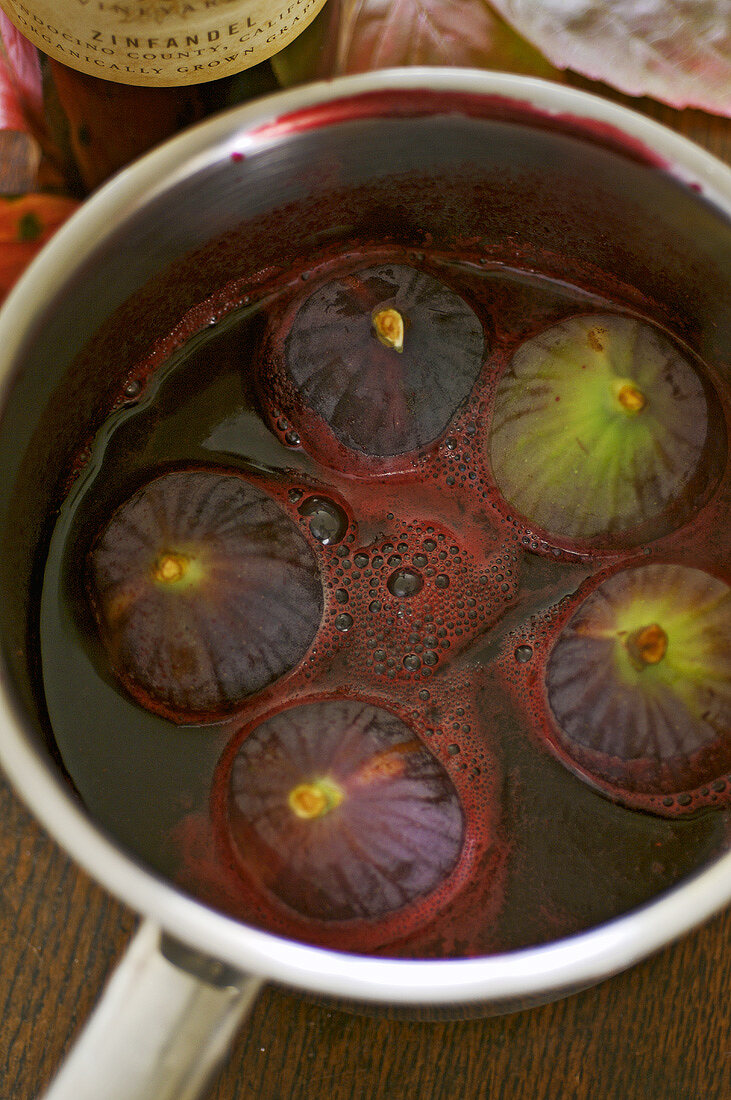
(352, 36)
(21, 106)
(678, 51)
(21, 90)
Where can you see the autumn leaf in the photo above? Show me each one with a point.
(21, 106)
(678, 51)
(355, 36)
(20, 77)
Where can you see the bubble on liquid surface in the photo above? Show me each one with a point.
(177, 580)
(367, 353)
(639, 680)
(328, 521)
(340, 811)
(601, 425)
(405, 582)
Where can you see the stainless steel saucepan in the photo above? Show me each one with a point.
(415, 154)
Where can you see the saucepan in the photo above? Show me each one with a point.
(531, 170)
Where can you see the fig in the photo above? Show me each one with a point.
(204, 592)
(600, 425)
(385, 356)
(639, 680)
(341, 812)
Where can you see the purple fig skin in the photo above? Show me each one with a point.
(204, 591)
(640, 677)
(385, 356)
(381, 825)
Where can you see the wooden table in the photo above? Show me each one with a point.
(661, 1031)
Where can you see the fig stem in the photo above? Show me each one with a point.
(170, 568)
(647, 646)
(388, 763)
(312, 800)
(389, 326)
(631, 399)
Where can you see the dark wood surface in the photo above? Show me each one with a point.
(661, 1031)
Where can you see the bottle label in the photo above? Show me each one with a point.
(161, 42)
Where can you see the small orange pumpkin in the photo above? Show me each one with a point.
(26, 223)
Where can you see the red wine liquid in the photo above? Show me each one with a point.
(439, 607)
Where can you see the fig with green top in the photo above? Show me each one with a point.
(639, 680)
(601, 426)
(204, 592)
(338, 810)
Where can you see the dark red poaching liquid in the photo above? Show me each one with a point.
(441, 607)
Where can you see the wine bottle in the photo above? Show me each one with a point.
(161, 43)
(102, 125)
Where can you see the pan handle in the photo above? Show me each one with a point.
(162, 1028)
